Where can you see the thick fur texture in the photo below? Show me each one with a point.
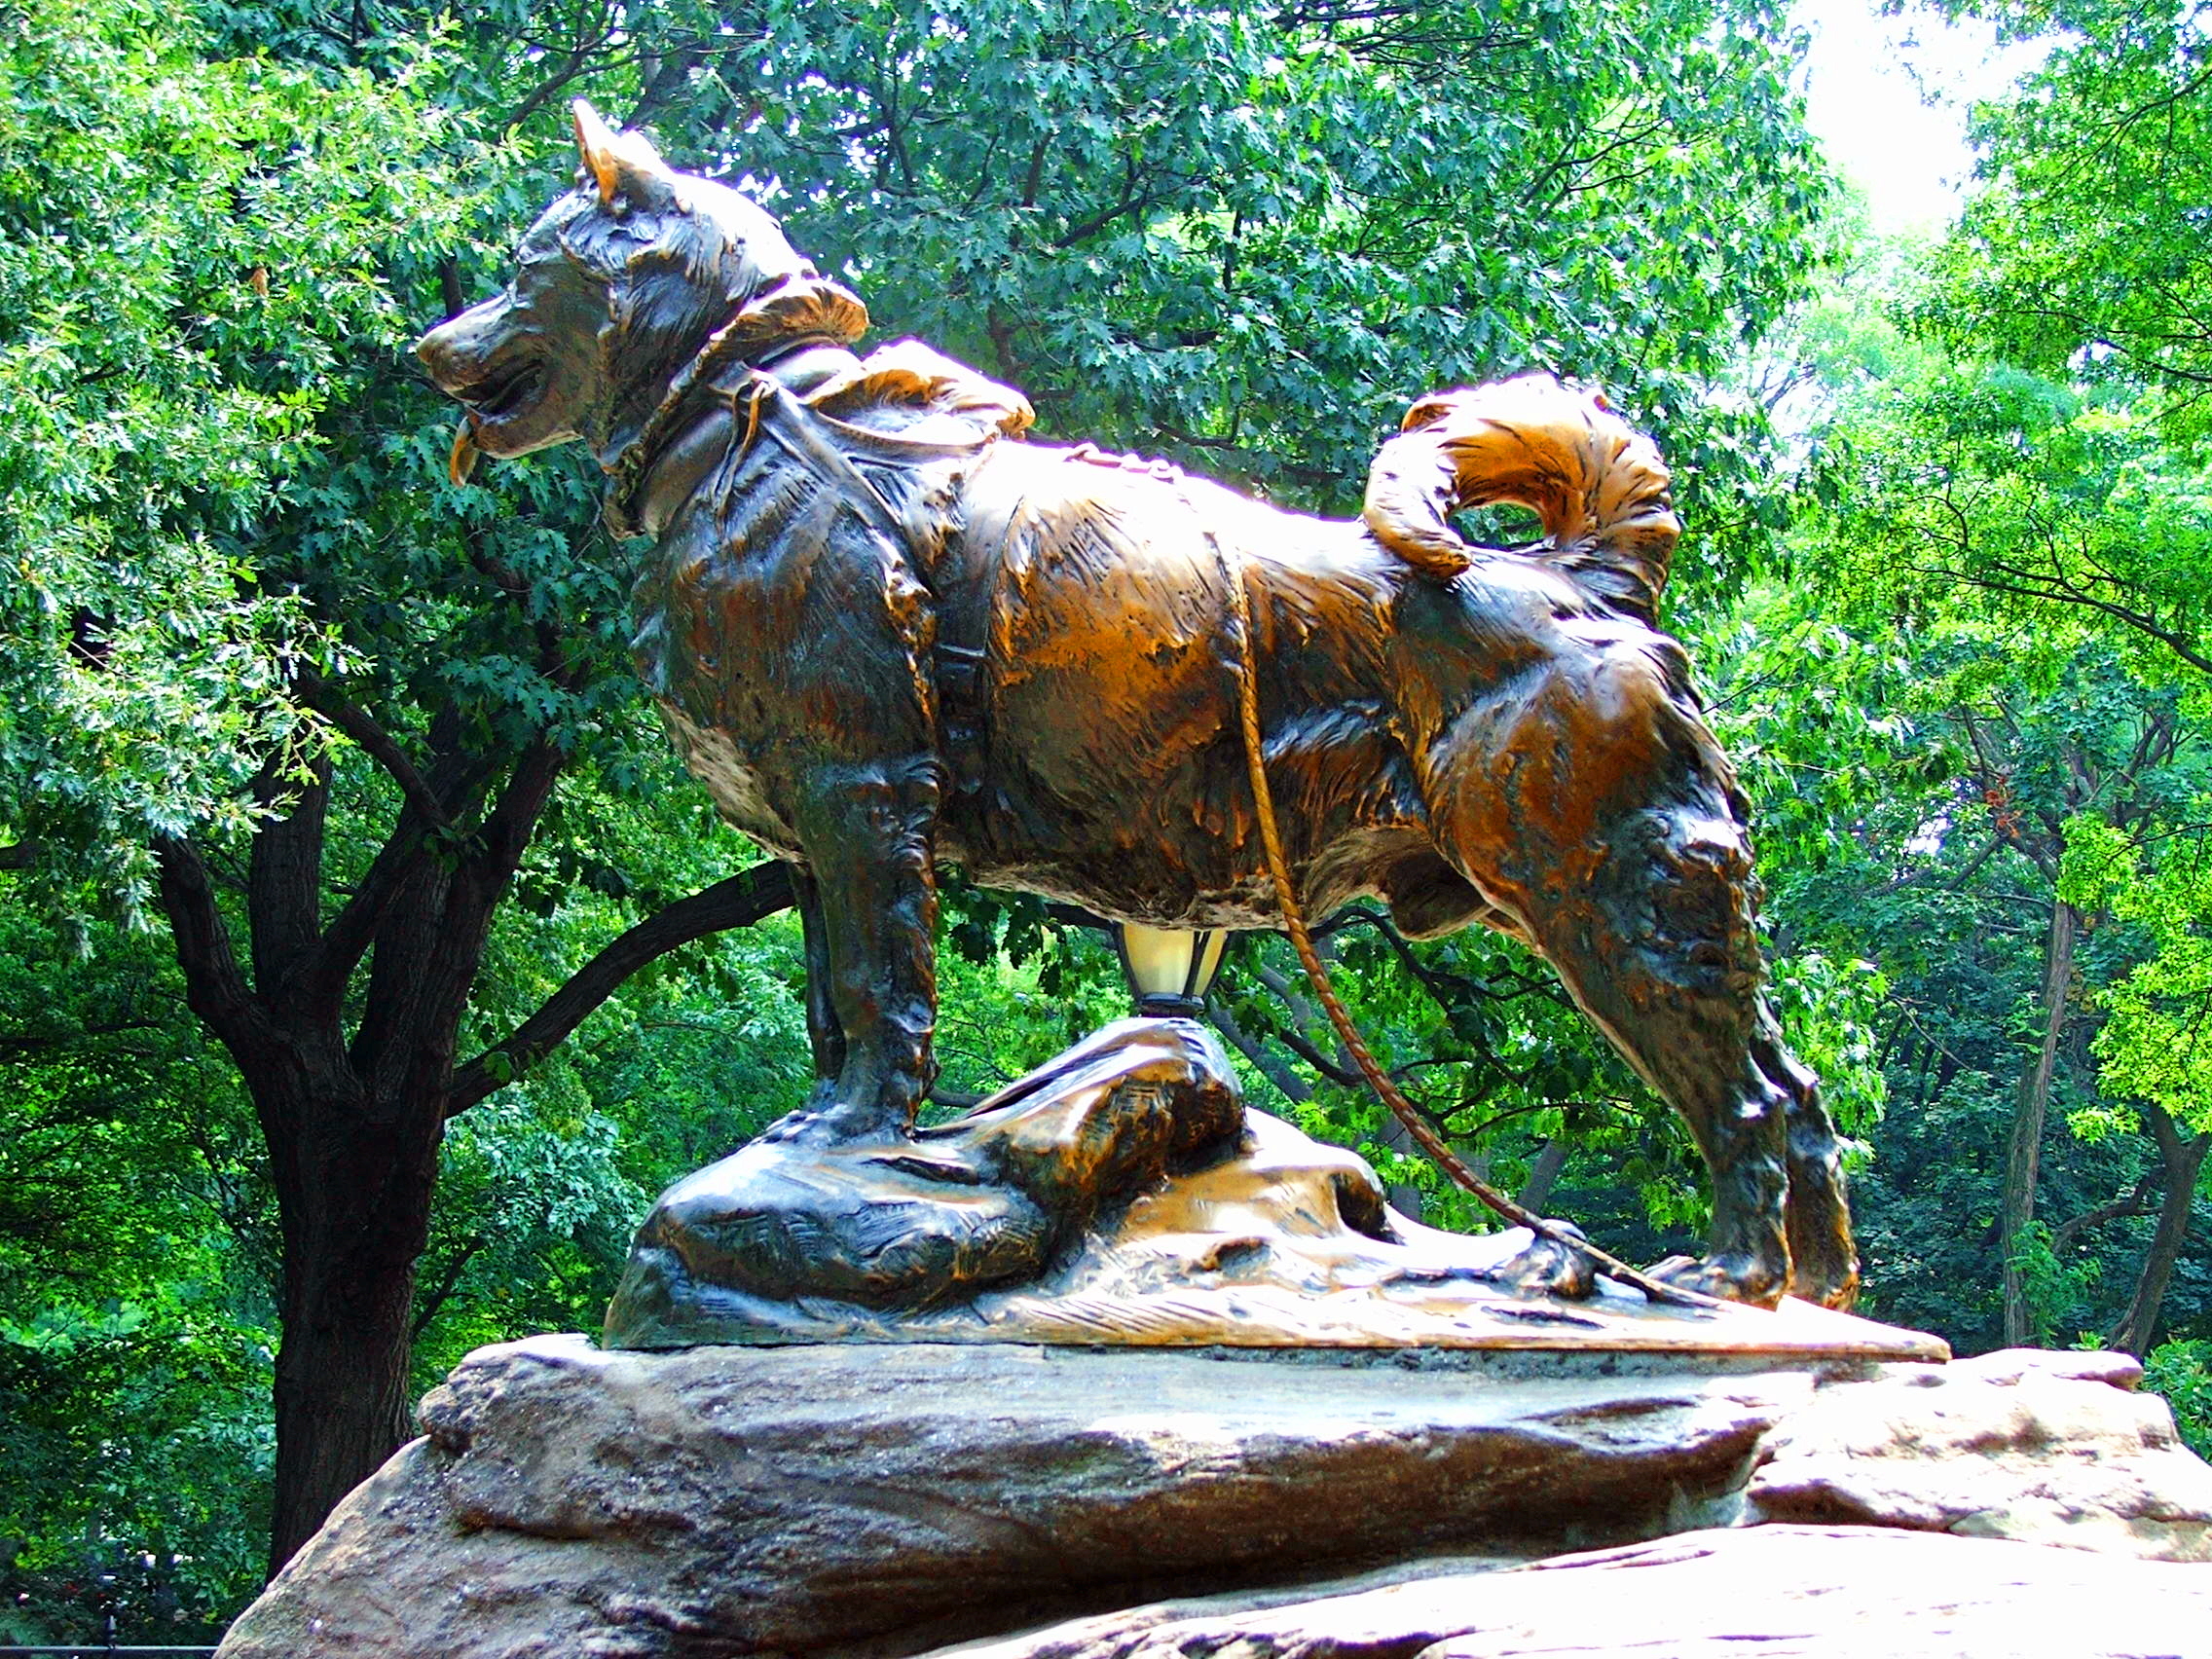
(889, 633)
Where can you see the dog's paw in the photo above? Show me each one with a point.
(835, 1123)
(1825, 1270)
(1724, 1278)
(1549, 1268)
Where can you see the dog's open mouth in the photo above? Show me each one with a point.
(499, 394)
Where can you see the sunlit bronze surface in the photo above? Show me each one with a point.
(1121, 1195)
(888, 634)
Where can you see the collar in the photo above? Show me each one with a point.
(800, 310)
(695, 388)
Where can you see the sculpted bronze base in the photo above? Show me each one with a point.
(887, 633)
(1123, 1196)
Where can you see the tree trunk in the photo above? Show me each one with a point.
(1271, 1067)
(2025, 1150)
(354, 1187)
(1402, 1195)
(2182, 1161)
(342, 1395)
(354, 1122)
(1543, 1173)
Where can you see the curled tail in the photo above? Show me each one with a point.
(1598, 485)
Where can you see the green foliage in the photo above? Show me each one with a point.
(533, 1223)
(2057, 1285)
(1832, 1011)
(1997, 588)
(1927, 840)
(2151, 1046)
(1986, 491)
(2182, 1372)
(2084, 253)
(139, 1457)
(187, 257)
(135, 1349)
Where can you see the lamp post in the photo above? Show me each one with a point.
(1169, 969)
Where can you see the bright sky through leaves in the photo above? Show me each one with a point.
(1870, 82)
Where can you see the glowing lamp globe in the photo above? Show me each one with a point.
(1169, 969)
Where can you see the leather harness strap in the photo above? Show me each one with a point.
(820, 442)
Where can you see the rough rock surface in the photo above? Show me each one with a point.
(2045, 1448)
(884, 1500)
(1776, 1592)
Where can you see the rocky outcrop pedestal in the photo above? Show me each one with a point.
(892, 1499)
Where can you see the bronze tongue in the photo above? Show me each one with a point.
(463, 461)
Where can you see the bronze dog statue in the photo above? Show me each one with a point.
(888, 634)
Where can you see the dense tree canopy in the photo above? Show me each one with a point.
(369, 963)
(2085, 252)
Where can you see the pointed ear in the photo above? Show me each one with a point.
(595, 142)
(621, 163)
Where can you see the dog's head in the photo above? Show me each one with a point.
(618, 287)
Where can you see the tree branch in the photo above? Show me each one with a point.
(577, 62)
(16, 1046)
(351, 932)
(213, 986)
(508, 826)
(667, 79)
(1292, 1085)
(1959, 879)
(739, 902)
(2053, 591)
(455, 776)
(2137, 1202)
(1343, 1077)
(377, 744)
(431, 1303)
(284, 878)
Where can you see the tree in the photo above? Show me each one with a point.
(2085, 251)
(2003, 501)
(2014, 565)
(2154, 1055)
(2084, 257)
(1920, 795)
(225, 589)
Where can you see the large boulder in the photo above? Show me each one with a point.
(1773, 1592)
(571, 1501)
(2045, 1448)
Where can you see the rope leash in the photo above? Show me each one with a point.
(1301, 936)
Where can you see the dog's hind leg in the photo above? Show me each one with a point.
(1824, 1261)
(1657, 947)
(1589, 804)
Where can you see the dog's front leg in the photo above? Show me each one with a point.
(867, 829)
(823, 1035)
